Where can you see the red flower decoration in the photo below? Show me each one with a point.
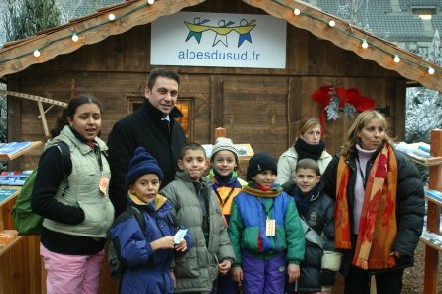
(324, 94)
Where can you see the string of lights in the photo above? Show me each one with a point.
(76, 35)
(364, 43)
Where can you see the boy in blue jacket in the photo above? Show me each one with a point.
(149, 253)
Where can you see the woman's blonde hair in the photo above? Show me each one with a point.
(309, 124)
(361, 120)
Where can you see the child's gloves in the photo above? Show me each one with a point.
(327, 277)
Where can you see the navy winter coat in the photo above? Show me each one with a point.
(147, 270)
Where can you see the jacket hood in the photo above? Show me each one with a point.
(158, 202)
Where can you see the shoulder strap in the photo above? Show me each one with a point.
(138, 216)
(311, 234)
(174, 220)
(171, 219)
(66, 153)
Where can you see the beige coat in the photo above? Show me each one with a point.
(288, 160)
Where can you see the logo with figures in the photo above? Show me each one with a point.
(221, 30)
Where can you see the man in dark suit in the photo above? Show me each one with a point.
(152, 126)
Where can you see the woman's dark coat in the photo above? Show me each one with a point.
(410, 205)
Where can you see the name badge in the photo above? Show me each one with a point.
(104, 183)
(270, 227)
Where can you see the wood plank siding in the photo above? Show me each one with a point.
(262, 107)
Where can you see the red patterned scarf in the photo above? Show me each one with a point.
(377, 228)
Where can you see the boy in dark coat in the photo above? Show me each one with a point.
(321, 261)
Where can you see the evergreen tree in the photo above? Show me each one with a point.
(28, 17)
(424, 106)
(24, 19)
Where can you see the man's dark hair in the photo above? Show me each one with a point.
(161, 72)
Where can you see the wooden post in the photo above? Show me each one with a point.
(220, 132)
(2, 226)
(433, 217)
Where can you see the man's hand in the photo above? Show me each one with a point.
(294, 272)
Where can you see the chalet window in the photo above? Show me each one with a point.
(185, 105)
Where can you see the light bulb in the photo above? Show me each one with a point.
(331, 23)
(37, 53)
(111, 16)
(74, 38)
(151, 2)
(364, 44)
(431, 70)
(396, 59)
(297, 11)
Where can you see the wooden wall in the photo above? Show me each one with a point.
(262, 107)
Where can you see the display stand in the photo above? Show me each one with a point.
(16, 268)
(20, 151)
(431, 235)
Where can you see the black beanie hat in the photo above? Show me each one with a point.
(142, 163)
(259, 162)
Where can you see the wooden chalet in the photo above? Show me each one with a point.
(259, 106)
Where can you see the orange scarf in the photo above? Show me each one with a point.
(377, 228)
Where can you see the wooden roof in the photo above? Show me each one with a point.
(18, 55)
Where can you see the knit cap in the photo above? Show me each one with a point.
(142, 163)
(223, 143)
(259, 162)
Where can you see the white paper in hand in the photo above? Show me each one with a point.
(179, 236)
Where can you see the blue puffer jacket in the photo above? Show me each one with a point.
(147, 270)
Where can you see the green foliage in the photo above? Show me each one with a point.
(28, 17)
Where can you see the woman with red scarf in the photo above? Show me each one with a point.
(379, 207)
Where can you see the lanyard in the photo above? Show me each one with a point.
(227, 198)
(266, 211)
(97, 152)
(360, 171)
